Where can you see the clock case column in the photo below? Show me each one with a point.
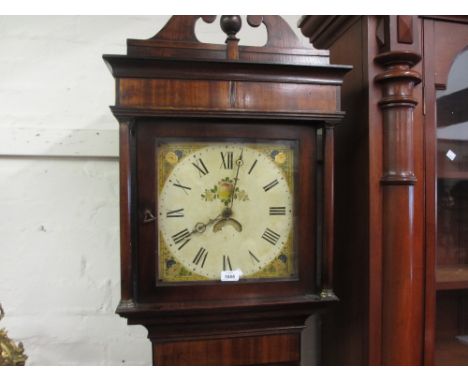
(174, 77)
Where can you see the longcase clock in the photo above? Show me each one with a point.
(226, 189)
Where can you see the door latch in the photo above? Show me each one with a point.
(148, 217)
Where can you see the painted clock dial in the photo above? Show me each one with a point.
(225, 206)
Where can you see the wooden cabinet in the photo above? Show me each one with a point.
(401, 202)
(445, 42)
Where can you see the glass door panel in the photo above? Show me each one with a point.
(452, 218)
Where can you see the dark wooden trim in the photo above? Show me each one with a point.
(452, 285)
(134, 309)
(133, 213)
(374, 124)
(451, 108)
(144, 67)
(216, 330)
(188, 321)
(221, 96)
(181, 28)
(331, 118)
(126, 267)
(328, 210)
(218, 51)
(449, 48)
(279, 349)
(451, 19)
(178, 39)
(323, 31)
(405, 29)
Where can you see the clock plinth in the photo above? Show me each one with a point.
(226, 170)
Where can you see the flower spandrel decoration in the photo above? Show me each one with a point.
(173, 157)
(279, 157)
(223, 191)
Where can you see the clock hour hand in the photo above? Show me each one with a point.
(224, 218)
(201, 227)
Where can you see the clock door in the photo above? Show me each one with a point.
(225, 206)
(446, 152)
(451, 346)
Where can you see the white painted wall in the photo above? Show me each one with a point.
(59, 234)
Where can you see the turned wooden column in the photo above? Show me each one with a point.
(379, 194)
(402, 302)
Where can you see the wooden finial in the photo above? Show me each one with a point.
(231, 25)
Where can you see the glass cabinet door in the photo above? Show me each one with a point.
(452, 218)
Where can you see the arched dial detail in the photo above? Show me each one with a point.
(225, 206)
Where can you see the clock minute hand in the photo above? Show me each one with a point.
(239, 163)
